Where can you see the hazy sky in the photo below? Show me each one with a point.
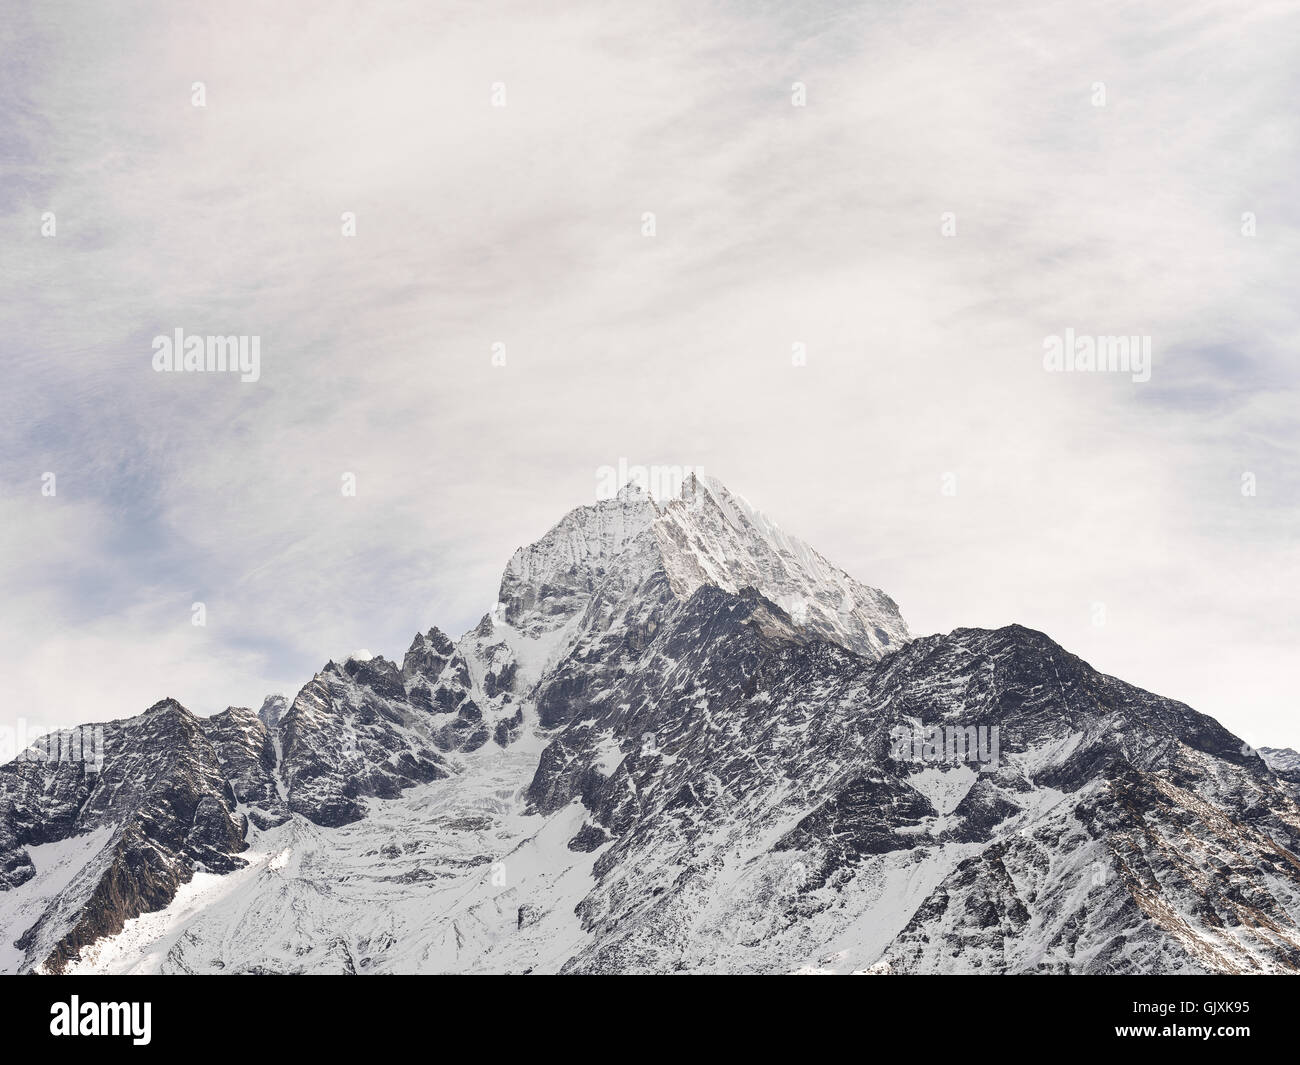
(1111, 209)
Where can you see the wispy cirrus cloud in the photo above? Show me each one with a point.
(523, 225)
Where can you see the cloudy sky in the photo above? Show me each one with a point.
(1098, 162)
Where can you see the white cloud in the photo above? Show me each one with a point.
(775, 225)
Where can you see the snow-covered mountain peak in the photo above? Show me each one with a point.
(549, 581)
(168, 707)
(711, 535)
(273, 708)
(706, 535)
(632, 493)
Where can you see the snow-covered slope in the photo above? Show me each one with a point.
(548, 583)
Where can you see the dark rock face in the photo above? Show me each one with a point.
(360, 729)
(714, 651)
(163, 800)
(247, 755)
(466, 732)
(882, 811)
(617, 624)
(507, 730)
(352, 734)
(428, 655)
(1285, 764)
(731, 720)
(273, 708)
(15, 863)
(436, 680)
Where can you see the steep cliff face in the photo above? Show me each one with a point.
(769, 820)
(158, 807)
(712, 536)
(248, 760)
(1285, 764)
(682, 741)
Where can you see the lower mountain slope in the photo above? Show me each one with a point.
(732, 794)
(681, 741)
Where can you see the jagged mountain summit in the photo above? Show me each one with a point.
(683, 741)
